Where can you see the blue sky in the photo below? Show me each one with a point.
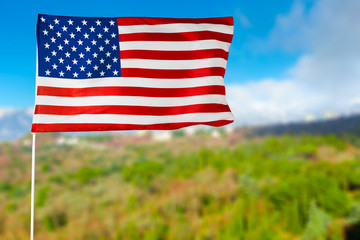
(289, 60)
(18, 44)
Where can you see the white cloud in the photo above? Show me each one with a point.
(285, 34)
(6, 111)
(326, 77)
(269, 101)
(243, 19)
(29, 111)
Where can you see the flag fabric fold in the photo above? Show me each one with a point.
(130, 73)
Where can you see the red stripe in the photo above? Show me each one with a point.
(126, 21)
(58, 127)
(131, 110)
(183, 36)
(173, 55)
(172, 74)
(130, 91)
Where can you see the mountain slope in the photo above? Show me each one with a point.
(348, 124)
(14, 123)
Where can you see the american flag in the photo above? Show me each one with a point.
(130, 73)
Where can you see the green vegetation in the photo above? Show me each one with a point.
(191, 187)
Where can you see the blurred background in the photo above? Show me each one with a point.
(287, 168)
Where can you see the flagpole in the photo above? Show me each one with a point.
(32, 187)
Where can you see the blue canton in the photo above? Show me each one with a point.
(78, 47)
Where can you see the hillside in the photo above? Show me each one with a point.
(342, 125)
(15, 124)
(203, 186)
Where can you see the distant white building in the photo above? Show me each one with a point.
(141, 133)
(26, 142)
(215, 134)
(309, 118)
(66, 140)
(229, 129)
(189, 131)
(328, 115)
(161, 136)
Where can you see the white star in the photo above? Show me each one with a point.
(98, 22)
(93, 42)
(78, 28)
(113, 35)
(70, 22)
(68, 68)
(47, 45)
(106, 29)
(66, 41)
(112, 23)
(95, 55)
(53, 53)
(75, 74)
(82, 68)
(87, 49)
(60, 47)
(54, 66)
(80, 42)
(73, 48)
(64, 28)
(102, 60)
(86, 36)
(115, 73)
(99, 35)
(56, 21)
(72, 35)
(114, 47)
(92, 29)
(67, 54)
(45, 32)
(53, 39)
(51, 26)
(75, 61)
(108, 54)
(84, 22)
(88, 61)
(101, 48)
(96, 67)
(61, 60)
(107, 41)
(47, 72)
(108, 66)
(115, 60)
(81, 55)
(61, 74)
(102, 73)
(47, 59)
(58, 34)
(89, 74)
(42, 19)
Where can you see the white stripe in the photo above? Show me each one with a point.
(130, 82)
(176, 28)
(129, 100)
(174, 46)
(131, 119)
(173, 64)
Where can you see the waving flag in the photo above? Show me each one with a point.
(129, 73)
